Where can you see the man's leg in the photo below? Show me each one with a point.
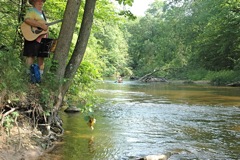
(41, 64)
(29, 61)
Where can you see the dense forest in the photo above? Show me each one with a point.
(188, 40)
(182, 39)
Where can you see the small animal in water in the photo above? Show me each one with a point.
(91, 122)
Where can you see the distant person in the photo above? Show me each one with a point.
(120, 79)
(35, 17)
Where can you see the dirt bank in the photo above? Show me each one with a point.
(23, 143)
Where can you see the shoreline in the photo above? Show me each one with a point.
(22, 143)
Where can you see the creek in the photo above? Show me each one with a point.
(192, 121)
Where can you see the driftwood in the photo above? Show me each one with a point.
(148, 75)
(235, 84)
(149, 78)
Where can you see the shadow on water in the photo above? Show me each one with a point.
(138, 119)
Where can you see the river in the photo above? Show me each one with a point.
(191, 121)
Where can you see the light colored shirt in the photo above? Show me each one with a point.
(33, 13)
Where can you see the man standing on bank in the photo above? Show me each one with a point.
(35, 17)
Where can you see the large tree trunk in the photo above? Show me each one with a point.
(65, 36)
(64, 43)
(81, 44)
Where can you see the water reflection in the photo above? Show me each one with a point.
(192, 122)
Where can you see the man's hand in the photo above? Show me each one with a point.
(44, 27)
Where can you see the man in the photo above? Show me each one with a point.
(35, 18)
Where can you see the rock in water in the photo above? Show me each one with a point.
(156, 157)
(72, 109)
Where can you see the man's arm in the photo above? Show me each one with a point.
(35, 23)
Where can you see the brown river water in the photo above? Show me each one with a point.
(196, 121)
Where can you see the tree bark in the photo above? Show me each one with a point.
(81, 44)
(64, 43)
(65, 36)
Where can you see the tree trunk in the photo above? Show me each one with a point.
(64, 43)
(65, 36)
(81, 44)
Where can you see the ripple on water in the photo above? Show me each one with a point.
(163, 127)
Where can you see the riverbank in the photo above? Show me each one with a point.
(22, 143)
(24, 131)
(189, 82)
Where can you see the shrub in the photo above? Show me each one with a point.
(223, 77)
(197, 74)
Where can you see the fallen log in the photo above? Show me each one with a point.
(149, 78)
(234, 84)
(148, 75)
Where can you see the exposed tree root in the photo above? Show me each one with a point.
(40, 117)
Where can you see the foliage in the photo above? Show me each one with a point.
(115, 55)
(12, 73)
(54, 11)
(197, 74)
(9, 121)
(156, 43)
(81, 92)
(187, 39)
(9, 23)
(223, 77)
(218, 44)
